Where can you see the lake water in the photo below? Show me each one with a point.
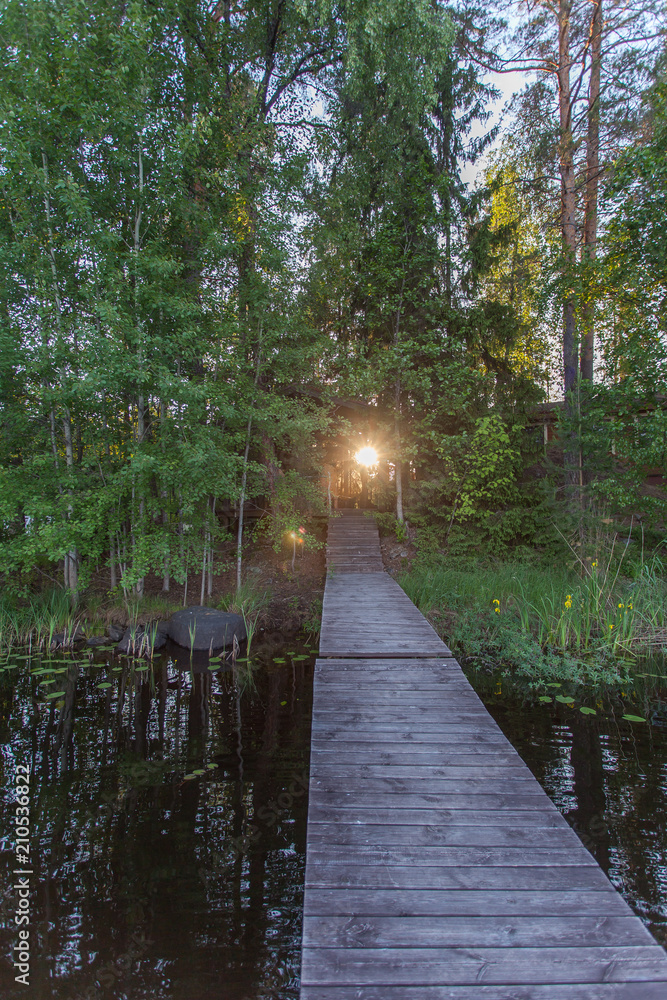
(146, 882)
(607, 775)
(168, 814)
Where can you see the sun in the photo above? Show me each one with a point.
(367, 456)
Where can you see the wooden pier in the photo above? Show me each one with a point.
(437, 868)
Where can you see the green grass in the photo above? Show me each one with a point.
(546, 621)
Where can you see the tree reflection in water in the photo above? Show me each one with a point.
(146, 884)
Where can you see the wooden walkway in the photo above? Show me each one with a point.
(437, 868)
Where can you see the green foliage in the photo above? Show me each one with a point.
(389, 525)
(295, 504)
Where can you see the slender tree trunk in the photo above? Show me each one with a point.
(569, 240)
(214, 501)
(141, 402)
(71, 567)
(244, 481)
(568, 196)
(397, 414)
(399, 463)
(591, 195)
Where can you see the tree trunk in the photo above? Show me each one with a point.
(568, 197)
(591, 194)
(569, 241)
(239, 532)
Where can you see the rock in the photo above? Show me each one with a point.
(115, 632)
(255, 569)
(66, 639)
(143, 639)
(403, 554)
(97, 640)
(205, 628)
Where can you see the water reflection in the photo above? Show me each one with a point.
(607, 776)
(168, 826)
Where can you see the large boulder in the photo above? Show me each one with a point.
(205, 628)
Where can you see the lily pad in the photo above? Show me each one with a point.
(283, 702)
(301, 656)
(564, 700)
(211, 767)
(279, 659)
(200, 770)
(554, 685)
(55, 694)
(189, 777)
(634, 718)
(545, 697)
(141, 666)
(104, 685)
(585, 710)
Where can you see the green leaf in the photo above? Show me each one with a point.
(104, 685)
(278, 659)
(545, 698)
(634, 718)
(211, 767)
(554, 685)
(585, 710)
(55, 694)
(564, 700)
(283, 702)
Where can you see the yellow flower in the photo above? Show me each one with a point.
(594, 563)
(568, 601)
(630, 606)
(497, 610)
(621, 605)
(496, 601)
(611, 626)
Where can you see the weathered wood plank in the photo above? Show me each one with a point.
(386, 817)
(452, 966)
(553, 991)
(323, 874)
(468, 931)
(408, 903)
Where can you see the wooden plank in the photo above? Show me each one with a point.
(429, 856)
(473, 931)
(432, 836)
(553, 991)
(461, 966)
(464, 903)
(386, 817)
(327, 875)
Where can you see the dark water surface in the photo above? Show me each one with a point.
(148, 883)
(150, 880)
(607, 775)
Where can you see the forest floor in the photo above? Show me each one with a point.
(281, 599)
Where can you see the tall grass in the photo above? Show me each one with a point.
(595, 609)
(35, 622)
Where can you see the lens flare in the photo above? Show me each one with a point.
(367, 456)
